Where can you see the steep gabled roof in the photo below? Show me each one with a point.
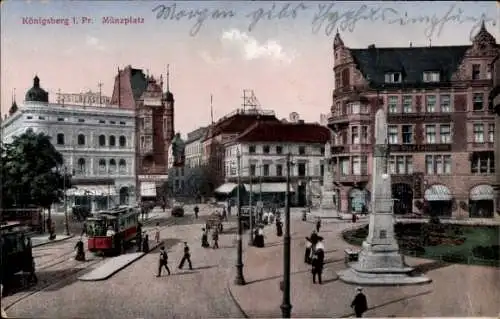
(412, 62)
(285, 132)
(238, 123)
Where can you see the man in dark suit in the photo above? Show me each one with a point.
(186, 257)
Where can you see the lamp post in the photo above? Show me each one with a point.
(250, 233)
(286, 307)
(66, 222)
(239, 280)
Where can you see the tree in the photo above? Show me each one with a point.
(32, 172)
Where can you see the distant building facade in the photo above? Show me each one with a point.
(263, 148)
(88, 98)
(154, 112)
(97, 144)
(495, 108)
(194, 147)
(440, 132)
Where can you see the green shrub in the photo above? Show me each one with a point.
(487, 252)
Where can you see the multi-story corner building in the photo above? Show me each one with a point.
(154, 111)
(97, 144)
(494, 101)
(440, 132)
(263, 148)
(194, 147)
(223, 131)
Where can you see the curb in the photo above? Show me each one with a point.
(228, 287)
(53, 241)
(114, 272)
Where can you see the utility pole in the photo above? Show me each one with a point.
(286, 307)
(100, 93)
(260, 183)
(239, 280)
(250, 233)
(66, 223)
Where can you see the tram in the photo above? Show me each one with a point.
(110, 231)
(16, 250)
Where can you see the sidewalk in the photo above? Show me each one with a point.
(446, 296)
(40, 240)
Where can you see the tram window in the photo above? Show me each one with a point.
(122, 223)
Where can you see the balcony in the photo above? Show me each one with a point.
(340, 149)
(351, 179)
(345, 118)
(360, 148)
(478, 147)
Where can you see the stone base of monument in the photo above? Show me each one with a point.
(381, 269)
(327, 205)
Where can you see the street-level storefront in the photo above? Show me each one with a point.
(150, 187)
(402, 195)
(359, 200)
(439, 200)
(95, 197)
(481, 201)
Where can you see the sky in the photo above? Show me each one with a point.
(280, 50)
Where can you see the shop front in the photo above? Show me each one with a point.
(359, 200)
(481, 201)
(438, 201)
(150, 187)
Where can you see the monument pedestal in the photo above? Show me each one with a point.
(327, 205)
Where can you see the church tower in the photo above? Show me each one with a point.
(168, 114)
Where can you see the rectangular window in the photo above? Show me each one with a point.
(252, 169)
(123, 123)
(407, 134)
(265, 149)
(392, 104)
(279, 150)
(445, 101)
(364, 134)
(438, 160)
(279, 170)
(429, 165)
(354, 135)
(392, 165)
(478, 133)
(431, 76)
(409, 165)
(29, 117)
(112, 122)
(356, 165)
(60, 119)
(393, 134)
(354, 108)
(81, 120)
(265, 169)
(302, 150)
(477, 102)
(148, 123)
(407, 104)
(41, 118)
(344, 166)
(251, 149)
(445, 133)
(400, 162)
(430, 103)
(476, 71)
(491, 133)
(102, 121)
(430, 134)
(447, 164)
(393, 77)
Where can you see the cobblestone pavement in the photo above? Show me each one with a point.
(456, 290)
(135, 292)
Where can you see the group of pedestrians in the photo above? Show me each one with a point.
(315, 255)
(204, 238)
(163, 261)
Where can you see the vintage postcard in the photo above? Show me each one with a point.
(249, 159)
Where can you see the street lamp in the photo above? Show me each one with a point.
(66, 222)
(250, 233)
(286, 307)
(239, 280)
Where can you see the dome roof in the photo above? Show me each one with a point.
(484, 37)
(36, 93)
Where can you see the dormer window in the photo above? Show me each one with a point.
(476, 71)
(393, 77)
(431, 76)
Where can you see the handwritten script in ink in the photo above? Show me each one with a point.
(325, 16)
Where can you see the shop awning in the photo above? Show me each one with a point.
(226, 188)
(437, 193)
(482, 192)
(269, 188)
(148, 189)
(91, 190)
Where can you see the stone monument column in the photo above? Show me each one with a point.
(379, 261)
(327, 206)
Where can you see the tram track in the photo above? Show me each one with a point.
(60, 259)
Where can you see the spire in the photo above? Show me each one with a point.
(211, 109)
(13, 107)
(36, 81)
(483, 37)
(337, 41)
(168, 77)
(161, 81)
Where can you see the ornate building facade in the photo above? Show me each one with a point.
(154, 112)
(97, 144)
(440, 132)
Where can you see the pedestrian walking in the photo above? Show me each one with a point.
(215, 238)
(354, 217)
(157, 232)
(186, 257)
(163, 261)
(307, 254)
(196, 211)
(224, 214)
(318, 260)
(145, 243)
(359, 304)
(204, 238)
(80, 251)
(279, 227)
(84, 229)
(318, 224)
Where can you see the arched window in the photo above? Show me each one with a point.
(81, 166)
(123, 141)
(102, 165)
(102, 140)
(112, 140)
(122, 166)
(60, 139)
(81, 139)
(112, 166)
